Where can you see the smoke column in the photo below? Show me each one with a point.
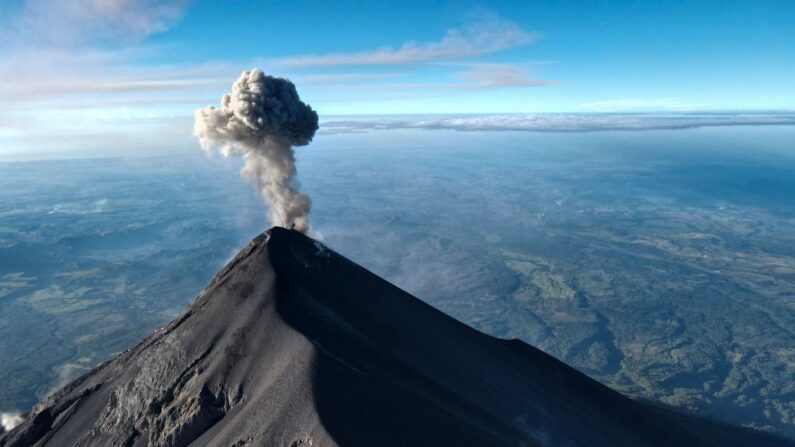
(262, 120)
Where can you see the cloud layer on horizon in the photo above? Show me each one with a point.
(557, 122)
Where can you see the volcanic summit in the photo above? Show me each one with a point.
(292, 344)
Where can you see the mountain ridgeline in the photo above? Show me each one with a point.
(294, 345)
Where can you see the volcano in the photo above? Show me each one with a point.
(292, 344)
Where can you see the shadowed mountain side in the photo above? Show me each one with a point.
(292, 344)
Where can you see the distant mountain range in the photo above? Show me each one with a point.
(294, 345)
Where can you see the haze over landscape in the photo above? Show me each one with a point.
(604, 186)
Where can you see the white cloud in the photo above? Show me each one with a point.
(560, 122)
(49, 88)
(58, 23)
(500, 76)
(485, 36)
(474, 77)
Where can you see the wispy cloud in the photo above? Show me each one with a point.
(485, 36)
(559, 122)
(50, 74)
(49, 89)
(473, 76)
(57, 23)
(500, 76)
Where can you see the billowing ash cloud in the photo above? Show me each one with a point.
(9, 420)
(261, 120)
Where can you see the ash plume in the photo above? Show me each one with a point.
(262, 120)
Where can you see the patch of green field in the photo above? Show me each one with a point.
(540, 274)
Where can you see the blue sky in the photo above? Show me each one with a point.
(693, 55)
(137, 69)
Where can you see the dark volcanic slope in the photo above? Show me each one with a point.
(292, 344)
